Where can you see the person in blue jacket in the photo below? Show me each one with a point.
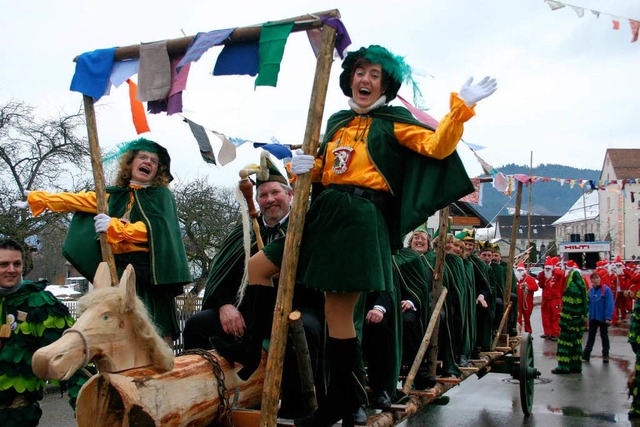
(600, 314)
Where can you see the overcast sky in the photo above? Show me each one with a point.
(568, 87)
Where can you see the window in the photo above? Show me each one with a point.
(535, 231)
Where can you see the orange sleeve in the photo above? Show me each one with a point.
(84, 201)
(132, 232)
(443, 141)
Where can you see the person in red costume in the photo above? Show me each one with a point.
(526, 287)
(552, 281)
(603, 272)
(620, 284)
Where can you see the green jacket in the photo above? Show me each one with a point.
(37, 319)
(420, 185)
(156, 207)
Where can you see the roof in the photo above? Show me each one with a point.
(625, 162)
(460, 208)
(541, 226)
(585, 208)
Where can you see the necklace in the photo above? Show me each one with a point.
(343, 154)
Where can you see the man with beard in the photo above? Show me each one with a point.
(620, 284)
(227, 315)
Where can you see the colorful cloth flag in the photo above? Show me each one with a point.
(273, 38)
(154, 76)
(200, 134)
(92, 72)
(201, 43)
(137, 110)
(238, 59)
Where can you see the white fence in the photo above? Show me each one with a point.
(187, 305)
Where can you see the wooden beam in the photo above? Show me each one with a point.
(273, 377)
(179, 46)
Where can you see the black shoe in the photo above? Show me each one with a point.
(544, 336)
(360, 416)
(381, 400)
(605, 359)
(424, 381)
(558, 371)
(575, 370)
(585, 358)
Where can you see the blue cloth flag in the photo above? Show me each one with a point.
(92, 72)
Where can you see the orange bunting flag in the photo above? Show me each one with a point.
(137, 110)
(635, 28)
(616, 24)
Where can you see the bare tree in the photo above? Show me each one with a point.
(207, 214)
(37, 153)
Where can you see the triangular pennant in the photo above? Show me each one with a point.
(200, 134)
(578, 10)
(555, 5)
(635, 28)
(227, 153)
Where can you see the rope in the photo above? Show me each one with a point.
(224, 409)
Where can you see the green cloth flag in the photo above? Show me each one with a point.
(273, 38)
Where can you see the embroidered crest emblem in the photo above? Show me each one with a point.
(341, 159)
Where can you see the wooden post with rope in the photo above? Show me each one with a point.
(275, 359)
(437, 287)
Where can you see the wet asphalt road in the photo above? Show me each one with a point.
(597, 397)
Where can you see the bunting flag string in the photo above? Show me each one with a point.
(505, 183)
(579, 11)
(229, 144)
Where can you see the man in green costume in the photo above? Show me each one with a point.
(227, 315)
(486, 291)
(573, 316)
(467, 239)
(414, 281)
(31, 318)
(512, 322)
(449, 341)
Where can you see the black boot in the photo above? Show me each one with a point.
(257, 311)
(345, 392)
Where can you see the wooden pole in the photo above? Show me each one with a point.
(437, 285)
(512, 247)
(246, 187)
(408, 383)
(273, 377)
(299, 339)
(98, 179)
(505, 317)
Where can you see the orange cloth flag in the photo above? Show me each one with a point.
(616, 24)
(137, 110)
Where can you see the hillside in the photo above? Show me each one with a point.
(548, 198)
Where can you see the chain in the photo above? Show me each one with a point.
(224, 409)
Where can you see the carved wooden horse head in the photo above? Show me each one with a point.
(114, 330)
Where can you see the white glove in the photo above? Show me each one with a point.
(101, 222)
(471, 94)
(301, 163)
(21, 204)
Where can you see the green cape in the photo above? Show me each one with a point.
(156, 207)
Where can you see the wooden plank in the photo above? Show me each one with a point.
(450, 380)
